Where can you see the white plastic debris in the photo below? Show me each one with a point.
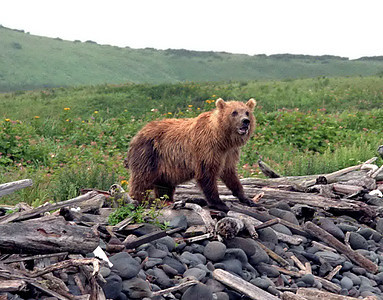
(376, 193)
(99, 253)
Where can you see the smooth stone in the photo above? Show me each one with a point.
(346, 283)
(308, 279)
(259, 256)
(332, 258)
(190, 259)
(379, 278)
(269, 237)
(284, 214)
(282, 229)
(197, 248)
(236, 253)
(261, 282)
(151, 262)
(169, 270)
(357, 241)
(379, 225)
(145, 229)
(347, 266)
(142, 254)
(198, 291)
(136, 288)
(331, 228)
(104, 272)
(175, 264)
(247, 245)
(214, 285)
(179, 221)
(215, 251)
(221, 296)
(232, 265)
(201, 257)
(156, 253)
(367, 233)
(347, 227)
(161, 278)
(354, 278)
(358, 270)
(268, 270)
(196, 273)
(113, 286)
(125, 265)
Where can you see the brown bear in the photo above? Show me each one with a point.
(169, 152)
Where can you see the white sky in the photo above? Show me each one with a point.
(337, 27)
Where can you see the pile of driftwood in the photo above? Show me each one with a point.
(38, 246)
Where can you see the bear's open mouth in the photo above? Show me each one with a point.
(243, 130)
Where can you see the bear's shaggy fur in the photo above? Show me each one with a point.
(169, 152)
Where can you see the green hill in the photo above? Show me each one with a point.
(30, 62)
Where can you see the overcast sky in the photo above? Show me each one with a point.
(345, 28)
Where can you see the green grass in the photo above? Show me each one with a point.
(304, 126)
(33, 62)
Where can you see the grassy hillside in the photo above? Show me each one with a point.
(70, 138)
(30, 62)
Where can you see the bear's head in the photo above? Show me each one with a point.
(236, 118)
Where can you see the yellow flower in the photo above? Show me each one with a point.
(7, 120)
(96, 111)
(213, 96)
(82, 121)
(190, 105)
(208, 101)
(67, 120)
(66, 108)
(124, 182)
(37, 117)
(169, 113)
(125, 110)
(198, 108)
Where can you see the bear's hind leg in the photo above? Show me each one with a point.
(161, 190)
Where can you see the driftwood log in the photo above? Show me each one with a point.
(47, 235)
(8, 188)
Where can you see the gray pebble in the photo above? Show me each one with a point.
(357, 241)
(215, 251)
(346, 283)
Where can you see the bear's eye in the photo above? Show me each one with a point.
(234, 113)
(247, 113)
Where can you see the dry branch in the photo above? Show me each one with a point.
(326, 237)
(242, 286)
(20, 216)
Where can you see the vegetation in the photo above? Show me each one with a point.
(71, 138)
(34, 62)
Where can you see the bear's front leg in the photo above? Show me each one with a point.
(231, 180)
(208, 183)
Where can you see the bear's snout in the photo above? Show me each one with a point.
(246, 121)
(244, 129)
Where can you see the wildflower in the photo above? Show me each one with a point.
(7, 120)
(37, 117)
(169, 113)
(208, 101)
(66, 108)
(82, 121)
(67, 120)
(213, 96)
(198, 108)
(154, 110)
(96, 111)
(125, 110)
(124, 182)
(190, 105)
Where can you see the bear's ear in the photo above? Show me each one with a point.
(251, 103)
(220, 103)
